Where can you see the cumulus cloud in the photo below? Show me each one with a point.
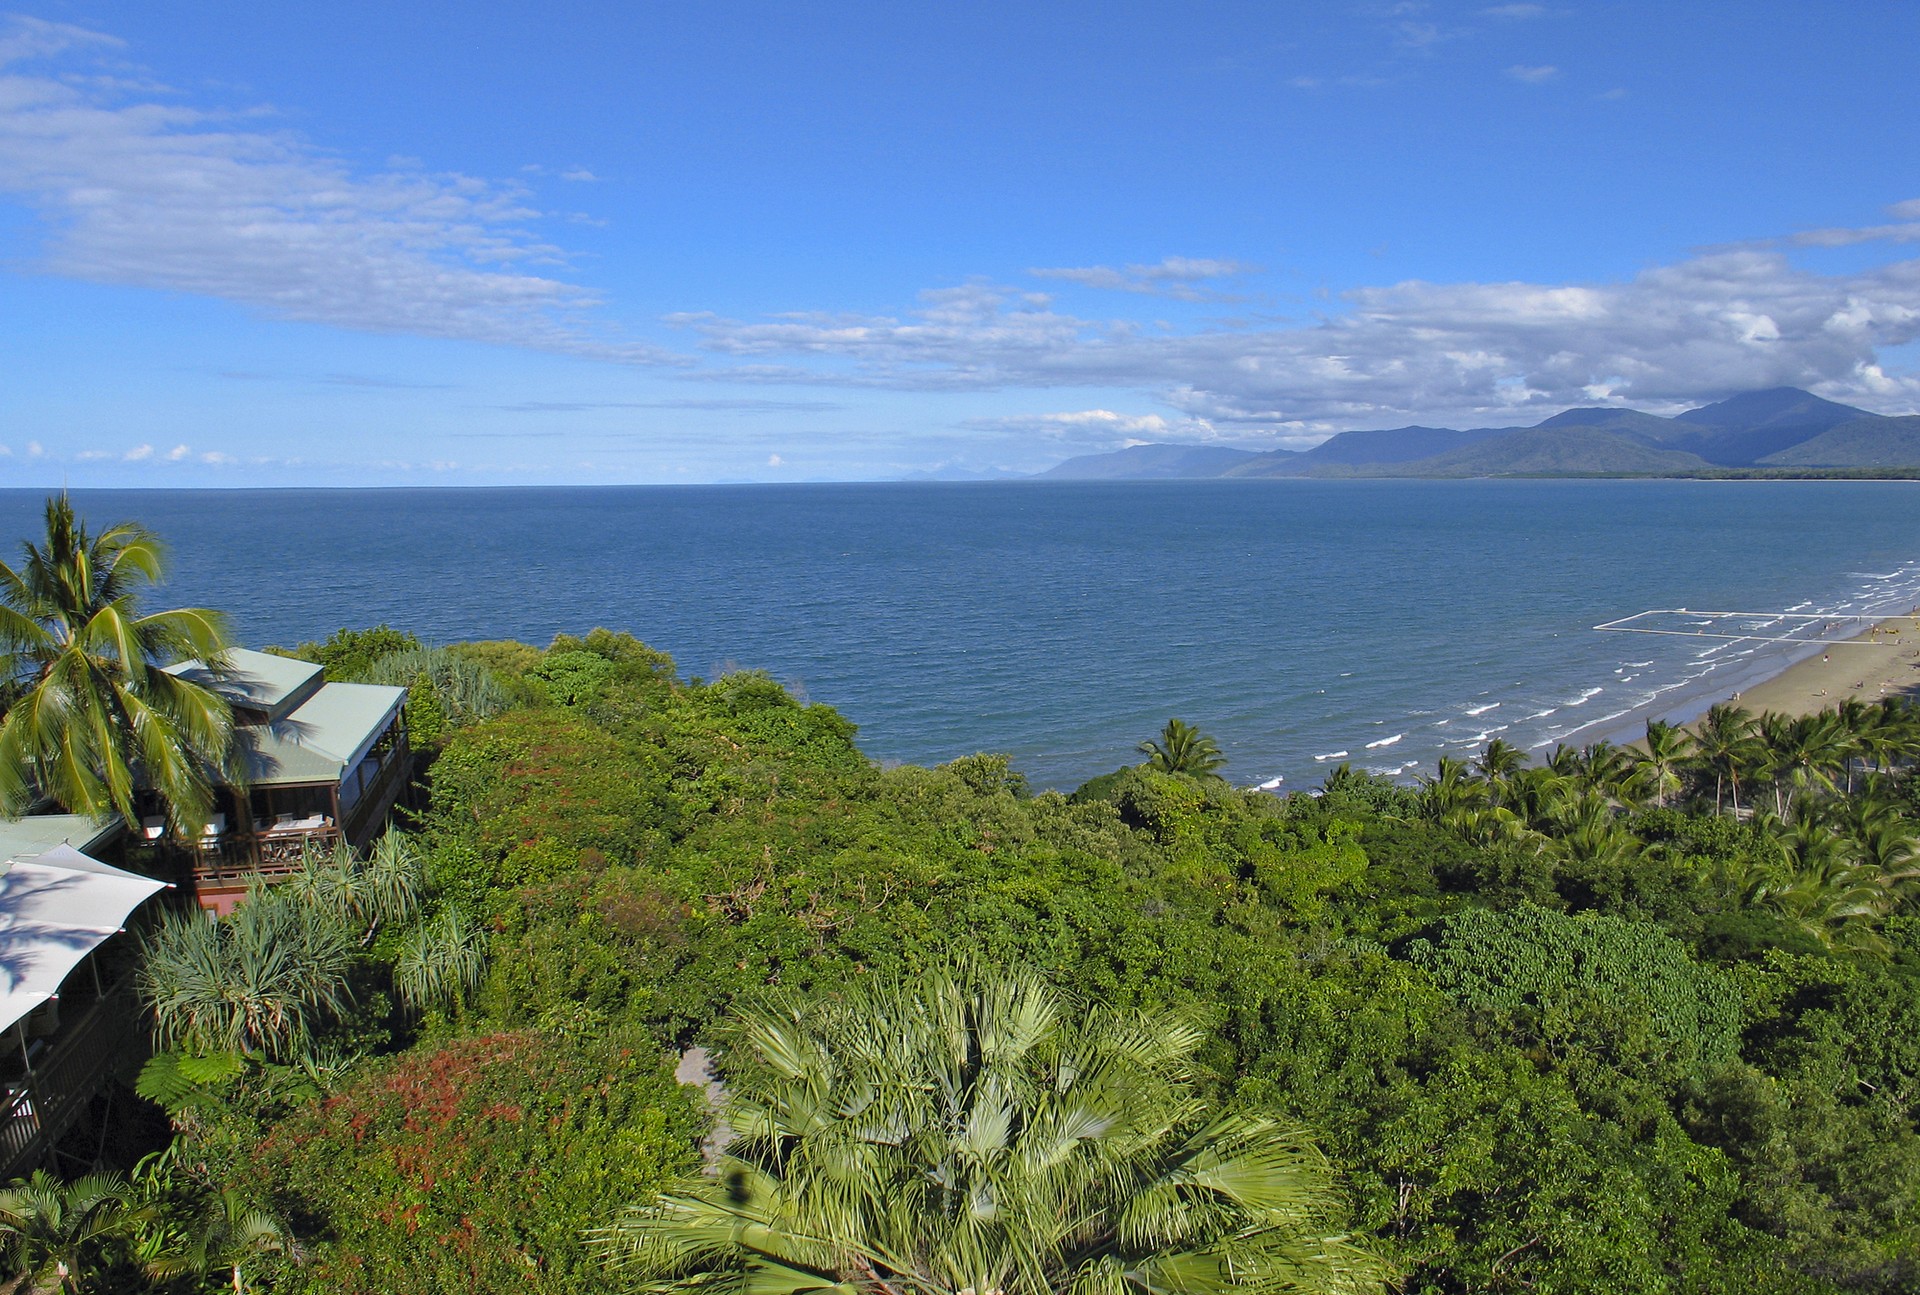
(1722, 321)
(140, 189)
(1176, 276)
(1097, 427)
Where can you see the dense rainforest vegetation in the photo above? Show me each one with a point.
(1626, 1020)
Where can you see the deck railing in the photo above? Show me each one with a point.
(75, 1064)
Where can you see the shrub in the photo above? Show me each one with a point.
(476, 1164)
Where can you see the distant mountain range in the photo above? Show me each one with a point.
(1784, 428)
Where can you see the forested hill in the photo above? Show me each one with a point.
(1783, 428)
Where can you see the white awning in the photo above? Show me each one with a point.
(55, 909)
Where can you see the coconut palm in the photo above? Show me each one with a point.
(1727, 745)
(1498, 764)
(89, 714)
(976, 1131)
(52, 1234)
(1668, 747)
(1183, 748)
(1452, 789)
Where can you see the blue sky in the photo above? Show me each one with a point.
(348, 244)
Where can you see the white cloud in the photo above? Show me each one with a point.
(138, 454)
(151, 193)
(35, 450)
(1515, 11)
(579, 175)
(1533, 75)
(1724, 320)
(178, 454)
(216, 458)
(775, 461)
(1175, 276)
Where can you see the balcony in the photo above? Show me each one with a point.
(51, 1081)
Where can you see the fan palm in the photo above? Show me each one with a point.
(978, 1132)
(88, 713)
(1182, 748)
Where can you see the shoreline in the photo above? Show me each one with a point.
(1883, 661)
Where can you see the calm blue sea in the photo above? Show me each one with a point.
(1301, 623)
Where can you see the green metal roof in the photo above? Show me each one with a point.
(255, 680)
(322, 739)
(22, 838)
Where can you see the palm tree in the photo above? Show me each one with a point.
(1668, 746)
(976, 1131)
(1498, 764)
(1183, 748)
(1727, 745)
(88, 714)
(56, 1231)
(226, 1237)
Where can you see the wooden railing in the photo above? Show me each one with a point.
(377, 797)
(76, 1063)
(267, 854)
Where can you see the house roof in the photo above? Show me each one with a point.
(322, 739)
(314, 731)
(255, 680)
(56, 907)
(22, 838)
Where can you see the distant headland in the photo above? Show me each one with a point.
(1782, 432)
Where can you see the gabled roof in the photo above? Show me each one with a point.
(255, 680)
(323, 739)
(56, 907)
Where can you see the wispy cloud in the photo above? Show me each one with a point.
(1179, 277)
(1533, 75)
(742, 405)
(140, 189)
(1515, 11)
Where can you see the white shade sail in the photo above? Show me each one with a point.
(55, 909)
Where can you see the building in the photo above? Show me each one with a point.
(320, 763)
(68, 1009)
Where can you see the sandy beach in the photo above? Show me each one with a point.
(1882, 662)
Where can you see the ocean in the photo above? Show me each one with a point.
(1301, 623)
